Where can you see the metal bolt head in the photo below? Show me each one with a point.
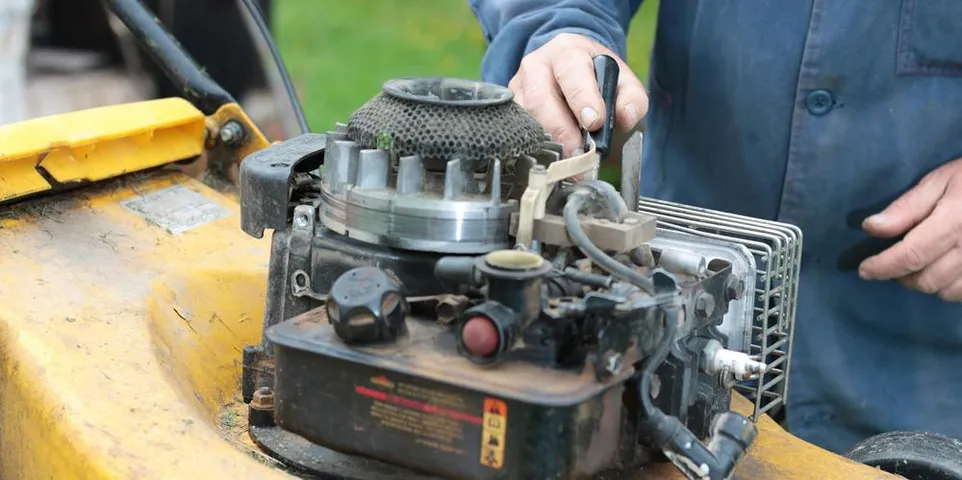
(263, 399)
(301, 220)
(613, 363)
(704, 305)
(735, 288)
(231, 134)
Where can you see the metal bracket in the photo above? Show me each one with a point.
(301, 286)
(631, 155)
(265, 182)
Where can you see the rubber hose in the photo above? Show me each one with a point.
(656, 359)
(617, 204)
(572, 208)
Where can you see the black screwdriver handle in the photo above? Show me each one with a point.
(606, 74)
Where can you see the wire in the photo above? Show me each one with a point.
(265, 32)
(618, 207)
(654, 361)
(572, 208)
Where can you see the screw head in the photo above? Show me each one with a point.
(613, 363)
(735, 288)
(231, 134)
(301, 220)
(263, 399)
(704, 305)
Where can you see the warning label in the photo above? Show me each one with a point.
(176, 209)
(493, 433)
(435, 419)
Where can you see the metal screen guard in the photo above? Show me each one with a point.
(777, 250)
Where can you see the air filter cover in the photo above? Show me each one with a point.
(433, 165)
(446, 118)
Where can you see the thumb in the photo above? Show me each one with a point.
(632, 100)
(908, 210)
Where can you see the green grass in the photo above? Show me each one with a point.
(340, 52)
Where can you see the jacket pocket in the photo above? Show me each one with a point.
(930, 38)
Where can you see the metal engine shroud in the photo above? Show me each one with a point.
(379, 265)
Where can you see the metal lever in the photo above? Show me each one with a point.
(606, 74)
(197, 86)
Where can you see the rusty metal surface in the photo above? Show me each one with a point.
(428, 351)
(224, 160)
(775, 455)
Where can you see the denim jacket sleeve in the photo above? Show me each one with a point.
(514, 28)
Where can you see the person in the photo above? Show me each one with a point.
(808, 112)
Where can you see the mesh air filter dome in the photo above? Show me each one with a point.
(444, 119)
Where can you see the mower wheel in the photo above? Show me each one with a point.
(913, 455)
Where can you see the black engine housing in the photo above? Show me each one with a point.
(414, 406)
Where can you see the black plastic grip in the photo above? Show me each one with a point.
(163, 48)
(606, 74)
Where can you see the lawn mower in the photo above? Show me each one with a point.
(437, 299)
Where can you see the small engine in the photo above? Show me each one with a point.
(444, 303)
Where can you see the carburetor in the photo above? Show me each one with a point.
(443, 302)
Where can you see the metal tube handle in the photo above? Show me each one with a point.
(201, 90)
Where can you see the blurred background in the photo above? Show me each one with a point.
(64, 55)
(339, 52)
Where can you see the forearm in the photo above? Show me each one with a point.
(515, 28)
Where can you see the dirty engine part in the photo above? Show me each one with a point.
(409, 334)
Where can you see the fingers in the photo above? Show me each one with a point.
(952, 293)
(517, 87)
(557, 85)
(909, 209)
(543, 100)
(939, 276)
(927, 241)
(575, 74)
(632, 99)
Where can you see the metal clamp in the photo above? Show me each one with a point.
(301, 286)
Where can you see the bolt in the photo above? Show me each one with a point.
(301, 220)
(735, 288)
(643, 256)
(704, 305)
(232, 133)
(613, 363)
(263, 399)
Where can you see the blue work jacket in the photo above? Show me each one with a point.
(807, 112)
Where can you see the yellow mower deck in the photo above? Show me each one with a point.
(124, 306)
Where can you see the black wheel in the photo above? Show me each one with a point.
(913, 455)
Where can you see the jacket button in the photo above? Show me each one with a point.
(819, 102)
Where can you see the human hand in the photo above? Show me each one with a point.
(929, 257)
(556, 84)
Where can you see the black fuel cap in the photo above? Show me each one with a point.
(366, 305)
